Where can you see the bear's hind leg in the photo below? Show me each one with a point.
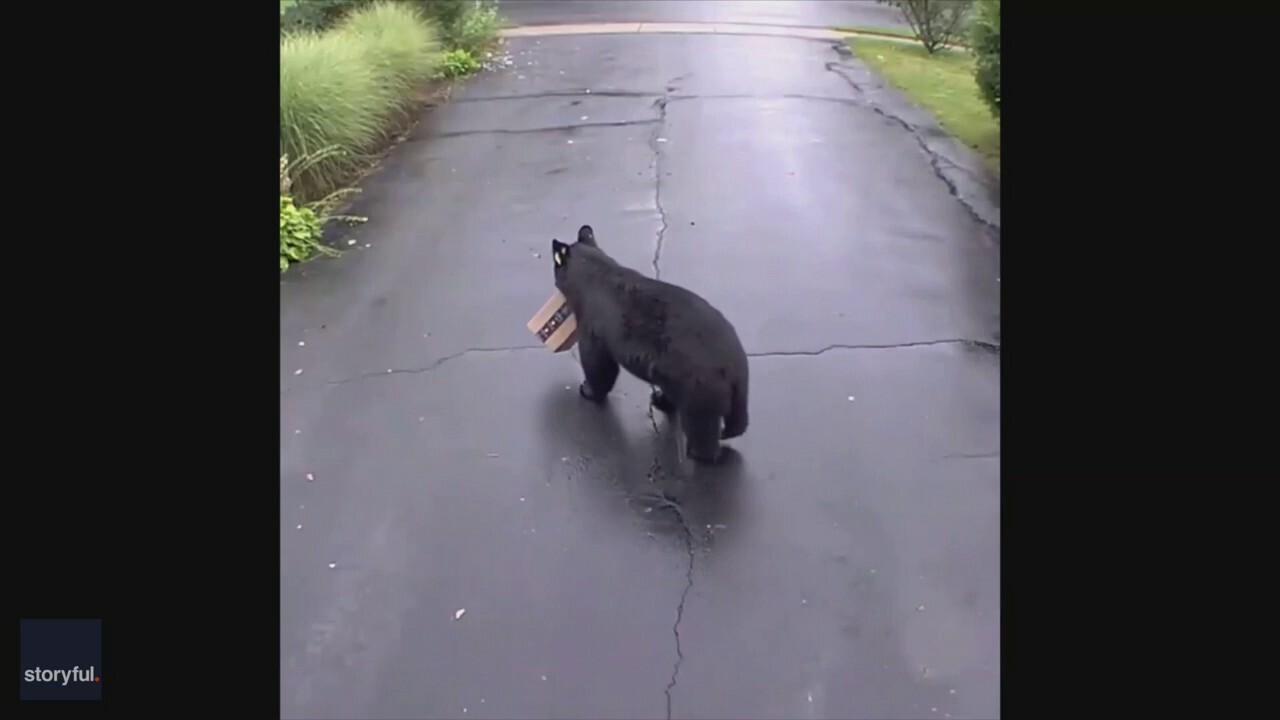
(702, 433)
(599, 369)
(735, 423)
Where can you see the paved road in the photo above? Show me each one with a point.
(435, 459)
(827, 13)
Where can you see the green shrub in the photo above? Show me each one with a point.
(986, 48)
(935, 23)
(445, 12)
(457, 63)
(343, 89)
(464, 24)
(301, 15)
(475, 29)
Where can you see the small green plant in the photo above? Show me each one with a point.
(457, 63)
(301, 231)
(302, 226)
(986, 50)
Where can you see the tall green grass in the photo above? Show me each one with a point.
(402, 43)
(348, 87)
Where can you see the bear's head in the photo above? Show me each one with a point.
(562, 252)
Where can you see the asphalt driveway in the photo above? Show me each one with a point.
(826, 13)
(436, 459)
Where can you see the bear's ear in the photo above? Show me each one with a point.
(559, 252)
(587, 236)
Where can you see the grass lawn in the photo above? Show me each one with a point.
(901, 32)
(941, 83)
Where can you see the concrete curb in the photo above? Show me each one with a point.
(693, 28)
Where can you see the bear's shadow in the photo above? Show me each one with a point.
(641, 463)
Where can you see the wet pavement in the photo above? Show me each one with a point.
(827, 13)
(844, 564)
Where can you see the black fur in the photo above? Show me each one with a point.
(661, 333)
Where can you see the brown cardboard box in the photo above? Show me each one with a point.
(555, 324)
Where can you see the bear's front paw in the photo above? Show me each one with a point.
(584, 389)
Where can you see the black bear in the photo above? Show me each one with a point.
(665, 335)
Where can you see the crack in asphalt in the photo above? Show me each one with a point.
(980, 344)
(675, 628)
(437, 363)
(971, 456)
(661, 105)
(643, 94)
(548, 129)
(852, 102)
(937, 163)
(664, 501)
(935, 159)
(835, 67)
(426, 368)
(564, 93)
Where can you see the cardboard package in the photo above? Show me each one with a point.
(555, 325)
